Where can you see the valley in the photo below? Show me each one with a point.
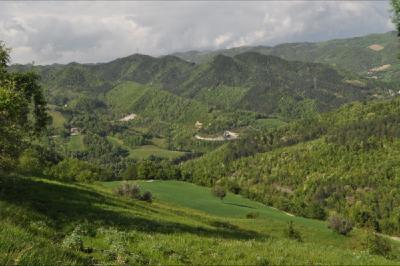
(254, 155)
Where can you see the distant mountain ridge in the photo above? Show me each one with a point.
(358, 54)
(248, 81)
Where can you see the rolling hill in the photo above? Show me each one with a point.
(249, 81)
(357, 55)
(345, 161)
(79, 224)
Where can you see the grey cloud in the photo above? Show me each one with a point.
(49, 32)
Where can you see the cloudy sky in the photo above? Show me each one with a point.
(60, 32)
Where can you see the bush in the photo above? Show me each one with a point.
(292, 233)
(133, 191)
(219, 192)
(129, 190)
(340, 225)
(378, 245)
(130, 172)
(72, 170)
(29, 163)
(74, 240)
(147, 196)
(252, 215)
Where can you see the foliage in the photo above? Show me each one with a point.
(344, 161)
(128, 190)
(73, 241)
(252, 215)
(147, 196)
(74, 170)
(219, 192)
(132, 190)
(378, 245)
(339, 224)
(22, 109)
(29, 163)
(292, 233)
(396, 13)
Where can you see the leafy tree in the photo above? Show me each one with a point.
(130, 172)
(292, 233)
(22, 111)
(378, 245)
(29, 162)
(396, 14)
(147, 196)
(72, 170)
(129, 190)
(219, 192)
(340, 225)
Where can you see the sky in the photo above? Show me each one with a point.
(90, 32)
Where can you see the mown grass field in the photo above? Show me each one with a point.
(39, 218)
(145, 151)
(75, 143)
(267, 123)
(269, 220)
(57, 119)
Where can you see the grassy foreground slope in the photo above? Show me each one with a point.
(40, 219)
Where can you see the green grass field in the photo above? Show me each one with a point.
(271, 220)
(75, 143)
(58, 119)
(46, 222)
(145, 151)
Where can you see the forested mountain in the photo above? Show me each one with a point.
(249, 81)
(346, 161)
(363, 55)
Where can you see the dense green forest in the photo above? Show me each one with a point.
(345, 161)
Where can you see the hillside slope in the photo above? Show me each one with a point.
(346, 161)
(358, 55)
(76, 224)
(249, 81)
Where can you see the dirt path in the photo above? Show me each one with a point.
(287, 213)
(128, 117)
(228, 135)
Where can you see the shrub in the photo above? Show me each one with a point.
(74, 240)
(29, 163)
(129, 190)
(73, 170)
(117, 242)
(130, 172)
(339, 224)
(252, 215)
(378, 245)
(219, 192)
(292, 233)
(147, 196)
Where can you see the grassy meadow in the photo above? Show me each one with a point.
(41, 218)
(145, 151)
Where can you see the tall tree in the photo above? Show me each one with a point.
(396, 14)
(23, 113)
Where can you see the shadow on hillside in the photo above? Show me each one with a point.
(65, 205)
(239, 205)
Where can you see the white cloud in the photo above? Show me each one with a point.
(49, 32)
(221, 39)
